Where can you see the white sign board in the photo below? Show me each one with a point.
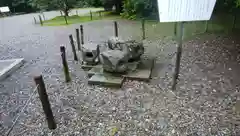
(185, 10)
(4, 9)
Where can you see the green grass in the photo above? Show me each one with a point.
(59, 20)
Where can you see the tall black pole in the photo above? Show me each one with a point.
(178, 59)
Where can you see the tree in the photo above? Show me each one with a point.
(140, 8)
(63, 5)
(108, 4)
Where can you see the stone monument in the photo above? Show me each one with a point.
(115, 57)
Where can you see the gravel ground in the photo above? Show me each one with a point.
(203, 104)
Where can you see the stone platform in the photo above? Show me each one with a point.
(9, 66)
(106, 80)
(89, 67)
(143, 72)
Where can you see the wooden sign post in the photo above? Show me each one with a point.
(183, 11)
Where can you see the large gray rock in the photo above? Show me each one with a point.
(114, 61)
(114, 43)
(136, 50)
(133, 48)
(90, 53)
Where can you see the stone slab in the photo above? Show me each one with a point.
(143, 72)
(99, 69)
(9, 66)
(89, 67)
(106, 80)
(95, 70)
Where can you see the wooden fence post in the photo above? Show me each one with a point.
(77, 12)
(91, 15)
(234, 21)
(116, 28)
(78, 39)
(35, 21)
(43, 17)
(73, 47)
(40, 19)
(82, 34)
(65, 65)
(143, 29)
(100, 15)
(175, 29)
(206, 26)
(45, 102)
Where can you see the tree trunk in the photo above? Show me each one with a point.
(66, 13)
(119, 6)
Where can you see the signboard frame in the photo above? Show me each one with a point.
(185, 10)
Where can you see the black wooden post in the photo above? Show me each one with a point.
(65, 65)
(73, 47)
(234, 21)
(40, 20)
(116, 28)
(43, 16)
(65, 17)
(45, 102)
(178, 58)
(206, 26)
(77, 12)
(143, 29)
(82, 34)
(35, 21)
(91, 15)
(78, 39)
(175, 29)
(100, 15)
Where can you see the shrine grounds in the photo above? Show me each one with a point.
(206, 101)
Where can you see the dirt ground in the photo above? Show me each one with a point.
(205, 103)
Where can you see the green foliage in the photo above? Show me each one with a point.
(133, 9)
(238, 3)
(34, 5)
(227, 6)
(63, 5)
(129, 10)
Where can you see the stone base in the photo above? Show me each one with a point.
(8, 66)
(89, 67)
(143, 71)
(95, 70)
(106, 80)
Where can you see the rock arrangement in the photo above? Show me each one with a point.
(114, 55)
